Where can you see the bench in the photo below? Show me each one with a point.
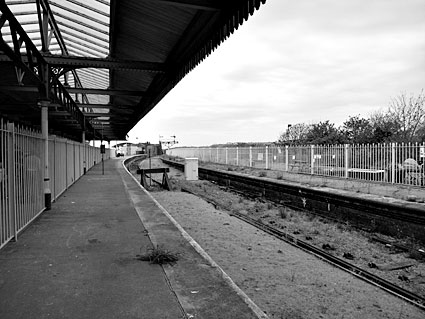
(157, 170)
(301, 166)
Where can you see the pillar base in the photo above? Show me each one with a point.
(48, 201)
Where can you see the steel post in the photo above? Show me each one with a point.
(312, 160)
(346, 160)
(44, 104)
(83, 138)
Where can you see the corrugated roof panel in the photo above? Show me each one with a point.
(149, 36)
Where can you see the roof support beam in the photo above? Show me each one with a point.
(69, 62)
(43, 21)
(20, 40)
(36, 64)
(58, 36)
(89, 114)
(106, 92)
(82, 62)
(28, 88)
(105, 106)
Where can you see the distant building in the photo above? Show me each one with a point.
(128, 149)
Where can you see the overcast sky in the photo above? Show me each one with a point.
(292, 62)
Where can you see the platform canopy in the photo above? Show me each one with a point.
(102, 65)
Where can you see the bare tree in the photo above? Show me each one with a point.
(295, 134)
(409, 114)
(384, 128)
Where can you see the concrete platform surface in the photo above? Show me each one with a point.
(78, 260)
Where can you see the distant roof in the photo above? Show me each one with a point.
(104, 64)
(125, 144)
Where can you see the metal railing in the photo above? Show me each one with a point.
(21, 174)
(395, 163)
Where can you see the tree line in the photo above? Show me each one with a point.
(402, 121)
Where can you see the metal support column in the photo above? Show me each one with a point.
(83, 138)
(44, 104)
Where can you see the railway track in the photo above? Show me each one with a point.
(301, 244)
(397, 219)
(322, 254)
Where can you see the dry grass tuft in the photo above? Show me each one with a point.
(159, 255)
(284, 212)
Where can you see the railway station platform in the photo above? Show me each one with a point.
(78, 260)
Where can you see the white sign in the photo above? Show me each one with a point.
(422, 152)
(260, 156)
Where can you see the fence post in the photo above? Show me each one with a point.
(53, 167)
(226, 155)
(11, 180)
(393, 160)
(346, 149)
(267, 157)
(217, 160)
(312, 160)
(237, 156)
(286, 158)
(250, 156)
(66, 164)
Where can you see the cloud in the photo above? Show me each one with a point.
(298, 61)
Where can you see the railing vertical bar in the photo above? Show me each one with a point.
(11, 178)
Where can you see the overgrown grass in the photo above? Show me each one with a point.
(159, 255)
(284, 212)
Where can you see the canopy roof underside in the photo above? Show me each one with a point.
(104, 64)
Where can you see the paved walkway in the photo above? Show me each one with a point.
(78, 260)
